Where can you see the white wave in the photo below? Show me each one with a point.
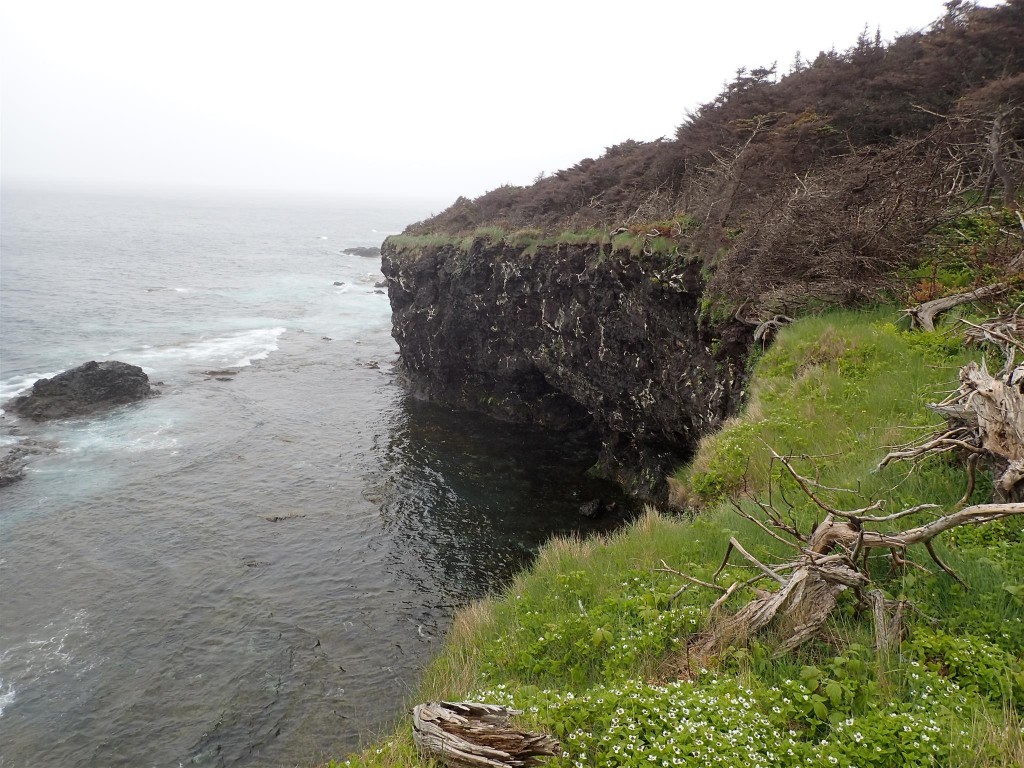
(139, 436)
(18, 384)
(235, 350)
(6, 696)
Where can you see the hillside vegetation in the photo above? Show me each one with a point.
(590, 645)
(853, 184)
(816, 183)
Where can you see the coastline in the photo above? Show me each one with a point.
(588, 644)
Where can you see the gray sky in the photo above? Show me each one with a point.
(433, 99)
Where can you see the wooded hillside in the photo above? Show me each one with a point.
(834, 172)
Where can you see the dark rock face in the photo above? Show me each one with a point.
(83, 390)
(571, 337)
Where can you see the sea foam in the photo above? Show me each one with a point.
(234, 350)
(7, 693)
(18, 384)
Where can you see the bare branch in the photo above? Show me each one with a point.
(923, 315)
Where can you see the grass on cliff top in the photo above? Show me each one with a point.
(641, 239)
(839, 387)
(588, 644)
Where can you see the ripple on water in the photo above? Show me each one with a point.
(247, 571)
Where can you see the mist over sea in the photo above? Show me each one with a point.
(249, 569)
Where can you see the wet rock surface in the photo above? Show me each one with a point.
(571, 337)
(368, 253)
(13, 459)
(83, 390)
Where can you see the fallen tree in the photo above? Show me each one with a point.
(985, 423)
(923, 315)
(831, 559)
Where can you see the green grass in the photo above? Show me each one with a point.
(637, 242)
(588, 643)
(839, 387)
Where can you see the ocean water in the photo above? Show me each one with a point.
(247, 571)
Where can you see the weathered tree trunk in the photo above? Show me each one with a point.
(985, 420)
(1010, 184)
(996, 406)
(476, 735)
(923, 315)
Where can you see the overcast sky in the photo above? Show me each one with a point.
(431, 99)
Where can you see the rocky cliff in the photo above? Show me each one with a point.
(825, 186)
(570, 337)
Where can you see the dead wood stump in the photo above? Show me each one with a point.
(474, 735)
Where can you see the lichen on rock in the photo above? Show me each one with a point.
(570, 337)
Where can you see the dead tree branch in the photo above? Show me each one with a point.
(923, 315)
(831, 560)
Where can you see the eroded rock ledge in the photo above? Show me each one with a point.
(570, 336)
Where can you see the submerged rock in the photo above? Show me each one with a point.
(12, 466)
(14, 458)
(86, 389)
(368, 253)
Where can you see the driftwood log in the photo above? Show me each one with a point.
(923, 315)
(476, 735)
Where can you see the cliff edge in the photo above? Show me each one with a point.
(570, 336)
(605, 296)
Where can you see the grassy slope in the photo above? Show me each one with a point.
(587, 643)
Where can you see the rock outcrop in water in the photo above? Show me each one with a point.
(570, 337)
(13, 459)
(366, 252)
(83, 390)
